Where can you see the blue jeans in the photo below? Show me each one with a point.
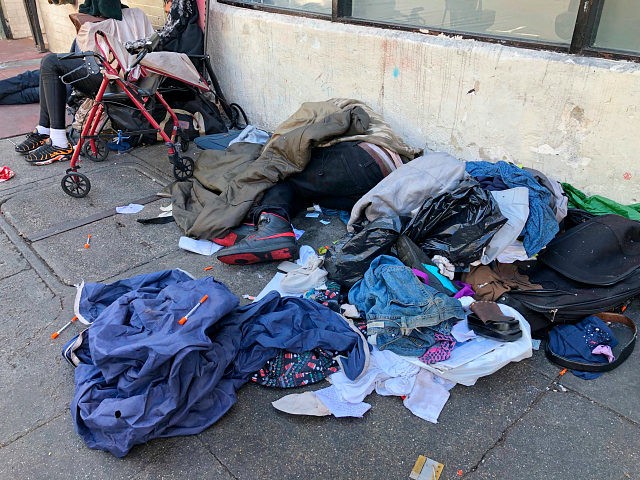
(400, 309)
(20, 89)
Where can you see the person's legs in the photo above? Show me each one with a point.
(272, 237)
(20, 89)
(53, 98)
(337, 176)
(28, 95)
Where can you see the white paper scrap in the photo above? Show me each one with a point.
(131, 208)
(203, 247)
(312, 215)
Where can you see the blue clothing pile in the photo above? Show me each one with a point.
(576, 343)
(403, 313)
(541, 226)
(146, 376)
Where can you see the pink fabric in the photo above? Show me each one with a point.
(604, 350)
(202, 12)
(6, 173)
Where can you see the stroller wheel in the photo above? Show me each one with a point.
(75, 184)
(101, 150)
(183, 168)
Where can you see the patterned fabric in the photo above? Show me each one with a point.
(288, 370)
(329, 297)
(440, 351)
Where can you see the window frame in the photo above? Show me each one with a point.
(586, 27)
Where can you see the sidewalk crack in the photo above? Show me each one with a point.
(226, 469)
(32, 429)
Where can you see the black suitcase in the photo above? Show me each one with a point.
(593, 267)
(564, 300)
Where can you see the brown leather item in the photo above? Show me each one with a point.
(79, 18)
(488, 311)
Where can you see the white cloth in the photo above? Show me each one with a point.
(514, 205)
(306, 403)
(308, 276)
(251, 134)
(482, 356)
(329, 397)
(428, 397)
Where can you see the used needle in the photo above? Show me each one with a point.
(55, 335)
(183, 320)
(88, 244)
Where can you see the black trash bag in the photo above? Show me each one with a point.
(458, 224)
(347, 260)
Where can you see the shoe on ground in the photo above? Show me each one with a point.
(236, 235)
(33, 141)
(49, 153)
(273, 240)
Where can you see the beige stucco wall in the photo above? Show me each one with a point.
(16, 17)
(576, 119)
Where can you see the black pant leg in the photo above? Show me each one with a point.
(337, 176)
(53, 91)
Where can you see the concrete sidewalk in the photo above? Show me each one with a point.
(523, 422)
(18, 56)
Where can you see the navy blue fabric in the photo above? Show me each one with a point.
(95, 297)
(145, 376)
(575, 342)
(152, 377)
(296, 325)
(541, 226)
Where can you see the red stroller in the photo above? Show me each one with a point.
(136, 79)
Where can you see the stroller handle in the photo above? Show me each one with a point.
(149, 45)
(90, 65)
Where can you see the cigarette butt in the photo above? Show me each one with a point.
(206, 269)
(88, 244)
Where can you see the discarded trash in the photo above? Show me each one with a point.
(563, 371)
(535, 343)
(6, 173)
(55, 335)
(203, 247)
(88, 242)
(312, 215)
(562, 388)
(325, 222)
(323, 250)
(298, 233)
(459, 473)
(206, 269)
(184, 319)
(426, 469)
(131, 208)
(248, 297)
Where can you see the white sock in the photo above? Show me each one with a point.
(59, 137)
(42, 130)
